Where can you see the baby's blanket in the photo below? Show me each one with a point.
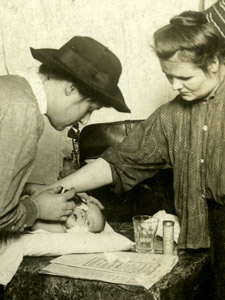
(14, 246)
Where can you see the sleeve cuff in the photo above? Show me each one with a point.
(31, 211)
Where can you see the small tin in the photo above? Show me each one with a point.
(168, 237)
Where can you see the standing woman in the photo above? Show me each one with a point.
(186, 134)
(191, 54)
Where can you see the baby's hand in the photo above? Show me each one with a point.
(70, 221)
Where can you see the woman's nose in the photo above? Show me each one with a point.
(85, 119)
(177, 84)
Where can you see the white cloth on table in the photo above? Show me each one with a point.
(163, 216)
(14, 246)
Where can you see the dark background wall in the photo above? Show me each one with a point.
(146, 198)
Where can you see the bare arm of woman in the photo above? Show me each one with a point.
(93, 175)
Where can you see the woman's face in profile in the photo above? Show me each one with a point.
(188, 80)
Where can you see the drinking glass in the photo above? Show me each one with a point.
(145, 228)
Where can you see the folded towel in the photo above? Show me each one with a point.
(163, 216)
(14, 246)
(39, 243)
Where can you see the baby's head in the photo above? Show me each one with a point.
(86, 218)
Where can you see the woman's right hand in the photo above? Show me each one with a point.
(53, 205)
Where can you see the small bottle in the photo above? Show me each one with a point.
(168, 237)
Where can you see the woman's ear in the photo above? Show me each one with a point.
(213, 67)
(70, 88)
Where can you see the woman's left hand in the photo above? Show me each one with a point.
(90, 199)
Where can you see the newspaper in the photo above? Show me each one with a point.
(128, 268)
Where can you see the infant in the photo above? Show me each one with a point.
(83, 219)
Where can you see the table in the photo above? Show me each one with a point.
(189, 279)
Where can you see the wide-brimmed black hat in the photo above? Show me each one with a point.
(215, 14)
(92, 63)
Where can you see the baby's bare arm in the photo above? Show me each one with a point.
(54, 227)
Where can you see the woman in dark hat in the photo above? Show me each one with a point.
(186, 134)
(73, 81)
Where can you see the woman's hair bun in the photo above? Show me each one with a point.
(189, 18)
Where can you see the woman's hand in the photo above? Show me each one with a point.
(90, 199)
(53, 205)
